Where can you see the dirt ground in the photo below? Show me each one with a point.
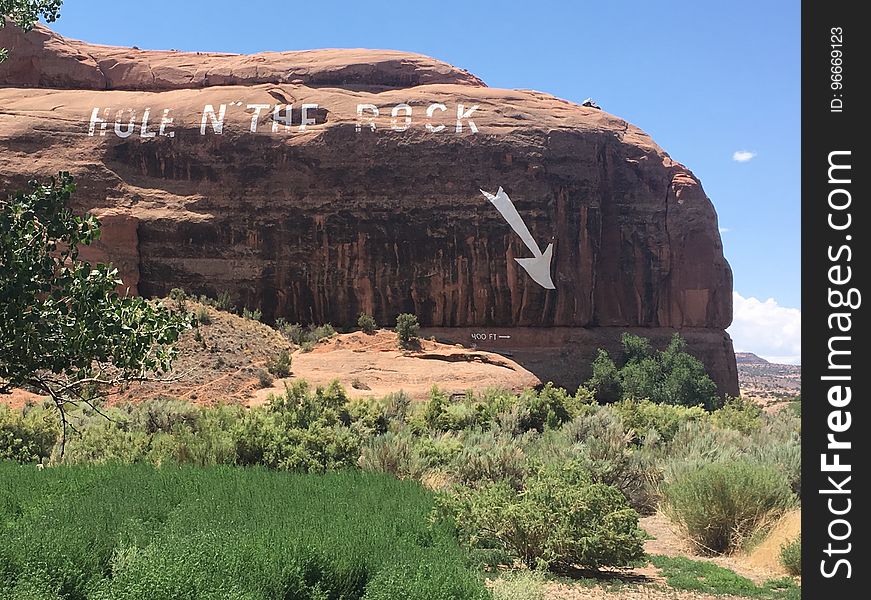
(645, 583)
(372, 365)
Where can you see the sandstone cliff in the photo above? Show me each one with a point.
(262, 175)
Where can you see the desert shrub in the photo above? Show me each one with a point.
(253, 315)
(203, 315)
(606, 450)
(443, 415)
(298, 406)
(407, 329)
(560, 519)
(264, 378)
(547, 408)
(210, 443)
(279, 365)
(720, 504)
(438, 452)
(163, 415)
(107, 442)
(396, 407)
(512, 420)
(367, 323)
(666, 419)
(316, 333)
(28, 434)
(300, 430)
(739, 414)
(698, 443)
(783, 455)
(519, 585)
(293, 332)
(391, 453)
(224, 302)
(486, 457)
(179, 296)
(262, 438)
(790, 556)
(305, 337)
(368, 416)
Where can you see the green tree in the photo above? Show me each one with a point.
(605, 382)
(25, 14)
(408, 329)
(685, 380)
(64, 329)
(672, 376)
(366, 323)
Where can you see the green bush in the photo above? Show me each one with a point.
(368, 417)
(560, 519)
(407, 329)
(367, 323)
(666, 419)
(790, 556)
(721, 504)
(279, 365)
(443, 415)
(28, 434)
(739, 414)
(316, 333)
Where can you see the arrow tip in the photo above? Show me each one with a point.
(538, 268)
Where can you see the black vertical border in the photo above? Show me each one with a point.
(825, 131)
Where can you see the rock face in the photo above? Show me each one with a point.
(202, 184)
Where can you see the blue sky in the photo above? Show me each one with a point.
(705, 79)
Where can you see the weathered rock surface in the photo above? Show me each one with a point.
(322, 222)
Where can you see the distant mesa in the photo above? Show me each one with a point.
(748, 358)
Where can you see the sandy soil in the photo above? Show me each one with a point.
(373, 365)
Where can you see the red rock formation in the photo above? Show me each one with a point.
(320, 223)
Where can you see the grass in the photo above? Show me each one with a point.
(702, 576)
(790, 556)
(124, 533)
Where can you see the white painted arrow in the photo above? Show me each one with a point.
(538, 267)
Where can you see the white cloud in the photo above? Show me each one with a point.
(766, 329)
(743, 155)
(725, 230)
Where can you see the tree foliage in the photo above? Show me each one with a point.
(25, 14)
(64, 329)
(671, 376)
(408, 330)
